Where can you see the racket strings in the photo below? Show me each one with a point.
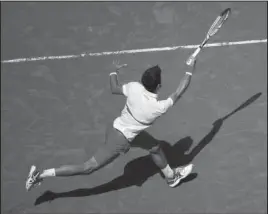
(214, 28)
(217, 24)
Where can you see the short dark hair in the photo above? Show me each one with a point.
(151, 78)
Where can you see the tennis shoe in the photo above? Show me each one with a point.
(179, 174)
(33, 178)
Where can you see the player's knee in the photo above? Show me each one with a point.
(90, 165)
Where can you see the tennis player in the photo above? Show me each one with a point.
(141, 110)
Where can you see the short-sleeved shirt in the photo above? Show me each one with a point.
(141, 109)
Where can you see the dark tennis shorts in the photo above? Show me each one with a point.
(115, 144)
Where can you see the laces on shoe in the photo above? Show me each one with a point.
(35, 180)
(178, 172)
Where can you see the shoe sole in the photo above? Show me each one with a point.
(182, 177)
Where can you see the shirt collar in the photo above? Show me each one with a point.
(150, 93)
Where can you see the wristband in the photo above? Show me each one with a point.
(113, 73)
(189, 73)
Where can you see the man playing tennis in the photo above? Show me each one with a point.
(141, 109)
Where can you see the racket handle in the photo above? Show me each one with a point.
(193, 56)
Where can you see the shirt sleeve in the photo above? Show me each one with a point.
(127, 88)
(130, 87)
(164, 105)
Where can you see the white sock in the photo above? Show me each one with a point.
(168, 172)
(48, 173)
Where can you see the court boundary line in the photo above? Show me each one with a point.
(131, 51)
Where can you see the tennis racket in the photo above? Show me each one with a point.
(217, 24)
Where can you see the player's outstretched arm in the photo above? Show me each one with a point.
(116, 88)
(184, 83)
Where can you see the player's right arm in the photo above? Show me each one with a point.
(184, 84)
(164, 105)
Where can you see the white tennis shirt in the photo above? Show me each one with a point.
(140, 111)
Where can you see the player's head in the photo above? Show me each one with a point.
(151, 79)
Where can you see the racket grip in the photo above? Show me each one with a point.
(192, 57)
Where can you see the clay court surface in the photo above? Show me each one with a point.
(55, 112)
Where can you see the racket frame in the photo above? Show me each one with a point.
(208, 35)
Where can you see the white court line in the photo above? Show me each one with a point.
(133, 51)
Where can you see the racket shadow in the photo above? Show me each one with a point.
(139, 170)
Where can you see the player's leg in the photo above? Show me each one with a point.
(173, 176)
(160, 160)
(115, 144)
(85, 168)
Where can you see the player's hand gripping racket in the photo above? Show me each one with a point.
(211, 32)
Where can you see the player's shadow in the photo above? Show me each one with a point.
(137, 171)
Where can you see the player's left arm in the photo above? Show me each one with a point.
(116, 88)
